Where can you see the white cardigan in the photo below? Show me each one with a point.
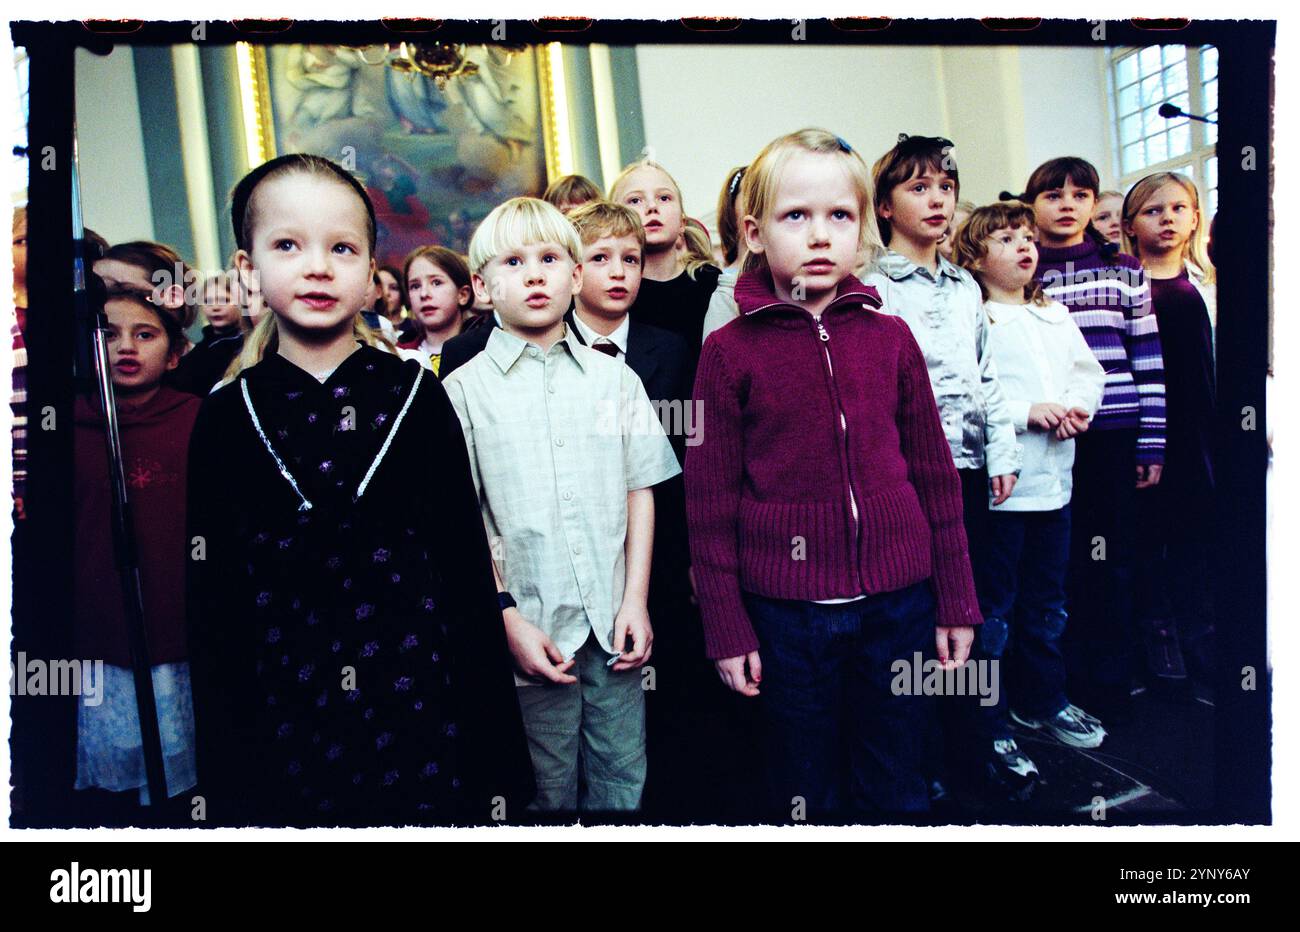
(1041, 356)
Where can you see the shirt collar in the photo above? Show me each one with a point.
(504, 348)
(1052, 313)
(898, 267)
(589, 336)
(755, 292)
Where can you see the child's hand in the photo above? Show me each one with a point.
(1046, 415)
(953, 645)
(535, 654)
(633, 621)
(1149, 475)
(1002, 486)
(732, 671)
(1076, 422)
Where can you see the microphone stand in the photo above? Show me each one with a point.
(92, 363)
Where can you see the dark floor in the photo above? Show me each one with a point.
(1156, 761)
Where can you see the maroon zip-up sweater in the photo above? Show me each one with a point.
(803, 424)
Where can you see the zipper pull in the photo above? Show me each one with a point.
(821, 332)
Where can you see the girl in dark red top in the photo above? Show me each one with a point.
(144, 342)
(1164, 228)
(825, 511)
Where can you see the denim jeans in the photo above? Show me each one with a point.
(1022, 599)
(834, 733)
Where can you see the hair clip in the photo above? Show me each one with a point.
(735, 181)
(843, 145)
(902, 137)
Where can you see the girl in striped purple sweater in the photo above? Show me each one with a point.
(1110, 301)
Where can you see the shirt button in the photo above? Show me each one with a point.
(559, 441)
(568, 496)
(577, 549)
(532, 351)
(551, 389)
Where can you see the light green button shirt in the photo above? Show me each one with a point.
(556, 441)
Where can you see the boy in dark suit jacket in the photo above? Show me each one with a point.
(686, 735)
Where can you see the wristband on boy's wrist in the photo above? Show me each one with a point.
(506, 600)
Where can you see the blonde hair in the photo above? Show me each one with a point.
(759, 187)
(692, 260)
(699, 248)
(1194, 252)
(598, 219)
(519, 222)
(970, 241)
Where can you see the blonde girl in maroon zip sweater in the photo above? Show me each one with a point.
(825, 511)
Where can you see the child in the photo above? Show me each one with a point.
(1109, 300)
(825, 512)
(155, 269)
(394, 296)
(155, 421)
(1164, 229)
(349, 664)
(675, 286)
(438, 291)
(570, 192)
(917, 186)
(223, 337)
(1053, 385)
(959, 214)
(687, 746)
(722, 305)
(564, 447)
(1107, 216)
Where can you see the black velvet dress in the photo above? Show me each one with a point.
(348, 658)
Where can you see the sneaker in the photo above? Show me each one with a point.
(1164, 653)
(1070, 726)
(1011, 770)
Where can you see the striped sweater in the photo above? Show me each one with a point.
(1110, 301)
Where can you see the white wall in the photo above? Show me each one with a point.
(114, 183)
(709, 108)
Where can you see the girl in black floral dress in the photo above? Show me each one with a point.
(349, 660)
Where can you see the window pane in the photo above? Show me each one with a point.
(1152, 122)
(1152, 90)
(1180, 138)
(1149, 59)
(1133, 157)
(1212, 172)
(1126, 70)
(1209, 62)
(1211, 133)
(1173, 54)
(1176, 79)
(1157, 149)
(1130, 129)
(1214, 203)
(1128, 100)
(1211, 94)
(1180, 101)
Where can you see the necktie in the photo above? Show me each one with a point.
(609, 349)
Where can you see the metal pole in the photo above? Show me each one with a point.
(90, 315)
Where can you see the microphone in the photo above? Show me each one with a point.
(1169, 111)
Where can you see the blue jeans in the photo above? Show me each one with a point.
(834, 733)
(1023, 602)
